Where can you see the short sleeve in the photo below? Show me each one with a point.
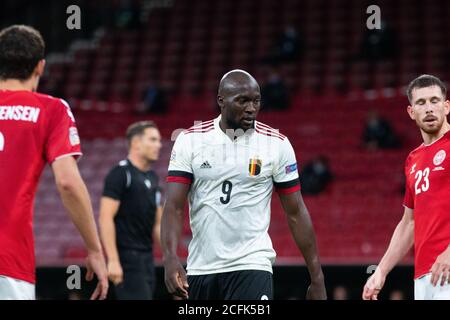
(408, 200)
(115, 183)
(158, 198)
(285, 175)
(158, 192)
(180, 165)
(62, 135)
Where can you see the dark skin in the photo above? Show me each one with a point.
(239, 99)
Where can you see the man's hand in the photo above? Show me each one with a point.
(441, 268)
(175, 278)
(115, 272)
(316, 291)
(373, 286)
(95, 263)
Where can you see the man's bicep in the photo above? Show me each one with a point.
(158, 215)
(291, 202)
(177, 194)
(408, 214)
(64, 169)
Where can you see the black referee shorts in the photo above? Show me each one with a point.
(138, 276)
(236, 285)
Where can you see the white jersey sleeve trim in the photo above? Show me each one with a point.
(69, 155)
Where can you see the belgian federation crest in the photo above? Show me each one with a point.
(254, 167)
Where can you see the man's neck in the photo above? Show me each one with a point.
(430, 138)
(228, 130)
(16, 85)
(139, 162)
(223, 125)
(232, 133)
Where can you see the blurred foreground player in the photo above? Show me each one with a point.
(426, 219)
(228, 168)
(130, 215)
(36, 129)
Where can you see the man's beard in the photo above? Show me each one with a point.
(431, 130)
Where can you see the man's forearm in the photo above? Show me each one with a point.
(108, 234)
(171, 227)
(401, 242)
(77, 202)
(302, 230)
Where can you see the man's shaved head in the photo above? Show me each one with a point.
(236, 79)
(239, 98)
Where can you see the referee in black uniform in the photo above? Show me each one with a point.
(130, 215)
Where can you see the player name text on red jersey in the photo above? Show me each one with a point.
(19, 113)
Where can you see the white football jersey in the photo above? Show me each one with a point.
(231, 189)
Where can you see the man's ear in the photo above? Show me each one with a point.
(220, 101)
(447, 107)
(39, 69)
(134, 143)
(411, 113)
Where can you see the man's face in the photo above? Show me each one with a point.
(429, 108)
(149, 144)
(241, 106)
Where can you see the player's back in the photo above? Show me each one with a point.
(34, 129)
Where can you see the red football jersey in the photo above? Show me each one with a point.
(35, 129)
(427, 171)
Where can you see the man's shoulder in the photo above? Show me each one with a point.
(50, 101)
(121, 166)
(120, 173)
(415, 152)
(199, 128)
(154, 175)
(414, 155)
(37, 99)
(196, 133)
(267, 131)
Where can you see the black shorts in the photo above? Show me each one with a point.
(236, 285)
(138, 276)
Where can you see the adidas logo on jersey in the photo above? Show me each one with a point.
(205, 165)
